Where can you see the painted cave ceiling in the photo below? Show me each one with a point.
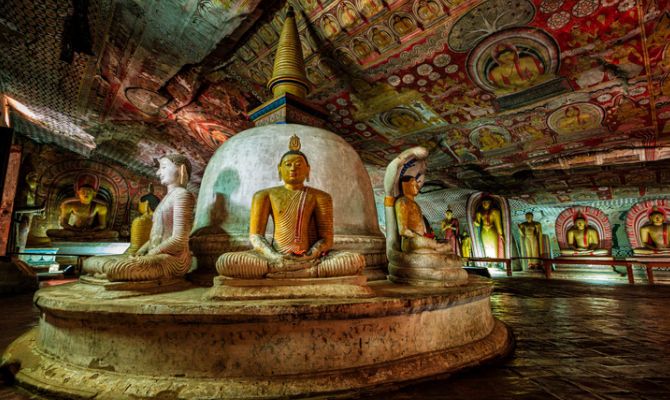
(543, 100)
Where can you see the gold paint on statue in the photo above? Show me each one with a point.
(582, 239)
(654, 235)
(531, 238)
(490, 221)
(288, 75)
(303, 231)
(140, 229)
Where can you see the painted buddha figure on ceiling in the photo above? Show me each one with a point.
(654, 235)
(166, 254)
(514, 72)
(303, 231)
(583, 239)
(83, 217)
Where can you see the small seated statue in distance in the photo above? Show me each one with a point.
(654, 235)
(303, 231)
(140, 229)
(166, 254)
(583, 240)
(83, 217)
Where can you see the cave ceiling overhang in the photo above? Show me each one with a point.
(542, 100)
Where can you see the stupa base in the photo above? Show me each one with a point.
(436, 277)
(225, 288)
(179, 346)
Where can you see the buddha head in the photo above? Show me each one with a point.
(656, 217)
(529, 217)
(505, 54)
(449, 213)
(410, 186)
(148, 203)
(293, 167)
(486, 202)
(580, 222)
(174, 169)
(86, 187)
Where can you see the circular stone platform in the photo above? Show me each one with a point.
(92, 342)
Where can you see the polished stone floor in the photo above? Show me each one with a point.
(575, 340)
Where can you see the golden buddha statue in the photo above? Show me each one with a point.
(490, 222)
(303, 231)
(582, 239)
(466, 245)
(654, 235)
(531, 237)
(83, 217)
(140, 229)
(166, 254)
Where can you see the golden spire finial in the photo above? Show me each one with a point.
(288, 74)
(294, 143)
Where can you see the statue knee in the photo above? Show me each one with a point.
(241, 265)
(341, 264)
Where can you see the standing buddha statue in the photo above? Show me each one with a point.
(450, 229)
(490, 222)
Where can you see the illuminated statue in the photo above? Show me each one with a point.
(411, 226)
(654, 235)
(489, 220)
(83, 217)
(140, 229)
(450, 229)
(24, 210)
(166, 255)
(466, 245)
(514, 73)
(582, 239)
(303, 231)
(531, 238)
(415, 257)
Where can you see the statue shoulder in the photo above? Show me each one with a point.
(183, 194)
(99, 204)
(319, 194)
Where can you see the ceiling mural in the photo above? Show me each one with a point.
(546, 101)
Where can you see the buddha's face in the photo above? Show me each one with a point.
(506, 57)
(293, 169)
(410, 187)
(144, 207)
(580, 224)
(86, 194)
(657, 219)
(448, 214)
(486, 204)
(529, 217)
(167, 172)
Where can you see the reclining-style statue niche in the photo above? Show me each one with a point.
(654, 235)
(303, 231)
(83, 217)
(583, 240)
(166, 255)
(413, 257)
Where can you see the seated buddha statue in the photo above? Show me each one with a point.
(654, 235)
(166, 254)
(411, 227)
(140, 229)
(83, 217)
(583, 240)
(303, 231)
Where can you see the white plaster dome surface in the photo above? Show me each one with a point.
(247, 163)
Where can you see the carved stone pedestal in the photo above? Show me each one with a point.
(177, 345)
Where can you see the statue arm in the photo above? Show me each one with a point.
(260, 212)
(497, 221)
(183, 203)
(403, 216)
(323, 213)
(571, 239)
(101, 210)
(644, 238)
(478, 219)
(594, 240)
(144, 249)
(64, 220)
